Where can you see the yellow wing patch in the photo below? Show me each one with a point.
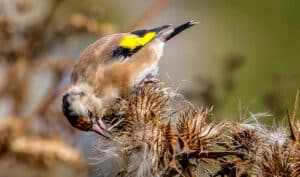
(132, 41)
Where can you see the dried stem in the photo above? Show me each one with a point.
(37, 33)
(292, 120)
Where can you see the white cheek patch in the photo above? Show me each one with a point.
(78, 107)
(82, 100)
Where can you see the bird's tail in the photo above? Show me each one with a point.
(168, 34)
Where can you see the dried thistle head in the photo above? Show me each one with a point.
(150, 101)
(274, 161)
(295, 160)
(245, 138)
(195, 133)
(146, 106)
(163, 146)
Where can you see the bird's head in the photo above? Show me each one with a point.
(83, 109)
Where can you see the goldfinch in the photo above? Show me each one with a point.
(111, 67)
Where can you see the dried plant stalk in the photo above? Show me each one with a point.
(41, 152)
(46, 152)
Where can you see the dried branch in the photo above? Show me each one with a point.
(292, 121)
(36, 34)
(213, 154)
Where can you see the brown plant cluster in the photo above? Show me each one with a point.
(152, 138)
(35, 139)
(19, 148)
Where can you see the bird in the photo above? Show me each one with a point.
(110, 68)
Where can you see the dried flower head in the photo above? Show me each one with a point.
(295, 160)
(195, 133)
(245, 138)
(147, 105)
(274, 161)
(249, 138)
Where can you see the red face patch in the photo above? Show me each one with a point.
(83, 124)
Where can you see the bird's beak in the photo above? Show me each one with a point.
(100, 128)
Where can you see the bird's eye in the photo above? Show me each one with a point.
(90, 114)
(80, 94)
